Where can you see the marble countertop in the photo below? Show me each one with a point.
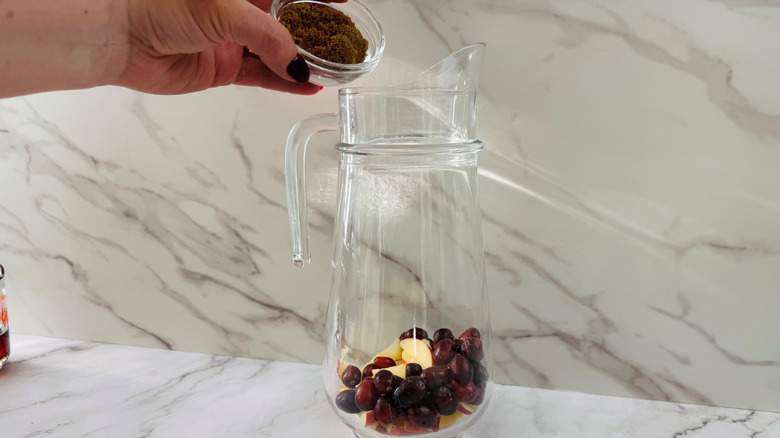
(61, 388)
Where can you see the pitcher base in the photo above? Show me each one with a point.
(429, 434)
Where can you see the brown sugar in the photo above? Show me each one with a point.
(325, 32)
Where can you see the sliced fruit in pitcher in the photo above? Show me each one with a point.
(416, 351)
(393, 351)
(416, 384)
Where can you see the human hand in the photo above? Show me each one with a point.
(181, 46)
(154, 46)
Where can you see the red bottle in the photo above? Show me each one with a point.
(5, 340)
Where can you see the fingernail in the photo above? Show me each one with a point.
(298, 70)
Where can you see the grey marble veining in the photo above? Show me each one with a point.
(629, 190)
(60, 388)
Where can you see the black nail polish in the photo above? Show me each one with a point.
(298, 70)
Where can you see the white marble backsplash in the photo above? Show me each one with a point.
(629, 183)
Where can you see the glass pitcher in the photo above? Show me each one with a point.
(408, 338)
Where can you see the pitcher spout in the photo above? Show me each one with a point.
(459, 72)
(437, 106)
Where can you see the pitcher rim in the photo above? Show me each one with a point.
(409, 148)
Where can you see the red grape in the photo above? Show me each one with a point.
(472, 349)
(415, 332)
(465, 393)
(480, 394)
(368, 371)
(480, 374)
(410, 391)
(443, 351)
(462, 369)
(345, 401)
(351, 376)
(445, 402)
(384, 382)
(413, 369)
(437, 376)
(442, 333)
(366, 396)
(422, 415)
(383, 412)
(384, 362)
(470, 333)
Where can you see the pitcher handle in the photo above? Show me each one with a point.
(295, 179)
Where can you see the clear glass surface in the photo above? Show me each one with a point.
(408, 283)
(408, 253)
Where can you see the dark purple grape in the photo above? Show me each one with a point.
(410, 391)
(366, 396)
(413, 369)
(442, 333)
(400, 413)
(472, 349)
(368, 371)
(397, 381)
(383, 412)
(462, 369)
(465, 393)
(351, 376)
(470, 333)
(480, 394)
(345, 400)
(458, 344)
(445, 402)
(480, 374)
(443, 351)
(415, 332)
(437, 376)
(422, 415)
(384, 382)
(384, 362)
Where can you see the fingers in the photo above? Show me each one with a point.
(263, 4)
(266, 4)
(256, 74)
(249, 26)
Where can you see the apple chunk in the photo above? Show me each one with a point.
(393, 351)
(447, 420)
(467, 408)
(416, 351)
(397, 430)
(398, 370)
(366, 419)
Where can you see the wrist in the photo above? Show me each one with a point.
(54, 45)
(116, 45)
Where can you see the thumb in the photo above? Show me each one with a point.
(250, 26)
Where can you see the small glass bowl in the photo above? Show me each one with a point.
(327, 73)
